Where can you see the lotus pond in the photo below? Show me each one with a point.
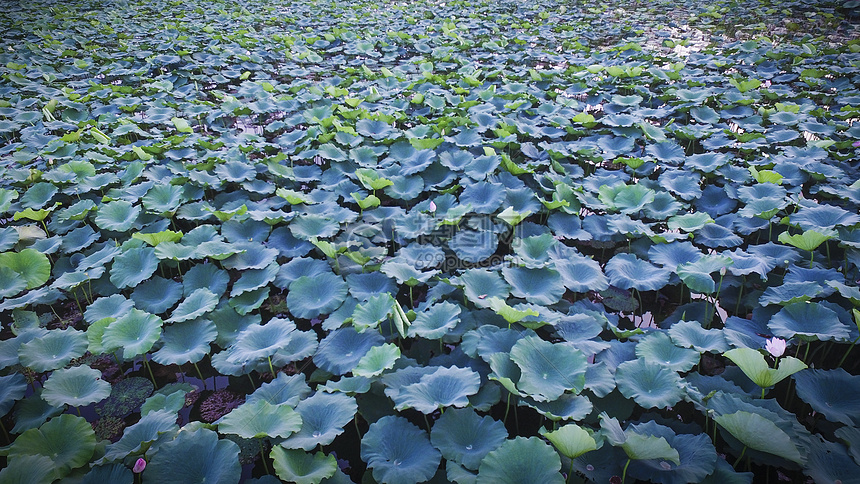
(396, 242)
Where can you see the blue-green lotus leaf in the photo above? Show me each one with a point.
(466, 137)
(691, 334)
(260, 341)
(134, 333)
(793, 292)
(249, 301)
(484, 197)
(649, 385)
(218, 250)
(474, 245)
(79, 239)
(6, 198)
(230, 324)
(323, 417)
(823, 217)
(8, 237)
(302, 344)
(187, 342)
(11, 283)
(254, 256)
(72, 279)
(565, 407)
(808, 321)
(581, 274)
(29, 264)
(758, 432)
(466, 438)
(301, 467)
(363, 286)
(539, 286)
(697, 275)
(533, 252)
(107, 307)
(482, 284)
(163, 199)
(77, 386)
(136, 438)
(38, 195)
(422, 256)
(627, 271)
(673, 254)
(348, 384)
(235, 171)
(68, 440)
(697, 455)
(157, 295)
(341, 350)
(29, 469)
(260, 419)
(548, 369)
(252, 279)
(411, 161)
(118, 216)
(307, 227)
(830, 462)
(398, 452)
(12, 388)
(113, 473)
(285, 389)
(436, 321)
(133, 266)
(364, 156)
(658, 349)
(198, 303)
(627, 199)
(298, 267)
(310, 297)
(370, 313)
(614, 146)
(833, 393)
(31, 412)
(55, 349)
(444, 387)
(521, 460)
(456, 160)
(207, 276)
(715, 235)
(204, 458)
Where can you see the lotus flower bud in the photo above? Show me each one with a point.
(139, 466)
(432, 207)
(775, 346)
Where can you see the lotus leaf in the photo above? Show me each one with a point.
(548, 369)
(696, 453)
(521, 460)
(12, 388)
(186, 342)
(466, 438)
(205, 459)
(118, 216)
(69, 441)
(399, 452)
(195, 305)
(648, 385)
(440, 388)
(539, 286)
(377, 360)
(55, 349)
(260, 419)
(323, 418)
(303, 468)
(758, 432)
(260, 341)
(311, 297)
(343, 348)
(808, 321)
(626, 271)
(833, 393)
(133, 266)
(374, 311)
(134, 333)
(657, 349)
(29, 469)
(283, 390)
(571, 440)
(156, 295)
(436, 321)
(691, 334)
(77, 386)
(482, 284)
(29, 264)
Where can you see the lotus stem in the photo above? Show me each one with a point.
(263, 457)
(79, 411)
(740, 294)
(426, 422)
(200, 375)
(740, 457)
(624, 472)
(149, 369)
(569, 472)
(78, 302)
(253, 385)
(847, 352)
(507, 408)
(762, 393)
(5, 433)
(811, 258)
(271, 368)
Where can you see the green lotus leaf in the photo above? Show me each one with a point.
(343, 348)
(398, 452)
(260, 341)
(323, 418)
(369, 314)
(306, 227)
(636, 445)
(173, 402)
(311, 297)
(377, 360)
(809, 240)
(260, 419)
(808, 321)
(627, 199)
(627, 271)
(196, 304)
(31, 412)
(481, 285)
(113, 473)
(754, 366)
(133, 266)
(691, 334)
(68, 440)
(649, 385)
(466, 438)
(548, 369)
(284, 389)
(658, 349)
(29, 264)
(436, 321)
(55, 349)
(78, 386)
(11, 283)
(38, 195)
(163, 200)
(134, 333)
(187, 342)
(521, 460)
(6, 198)
(156, 238)
(29, 469)
(249, 301)
(136, 439)
(301, 467)
(405, 273)
(12, 388)
(156, 295)
(538, 286)
(107, 307)
(833, 393)
(204, 458)
(697, 275)
(119, 216)
(571, 440)
(758, 432)
(441, 388)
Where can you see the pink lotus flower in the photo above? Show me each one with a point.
(775, 346)
(856, 144)
(432, 207)
(139, 466)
